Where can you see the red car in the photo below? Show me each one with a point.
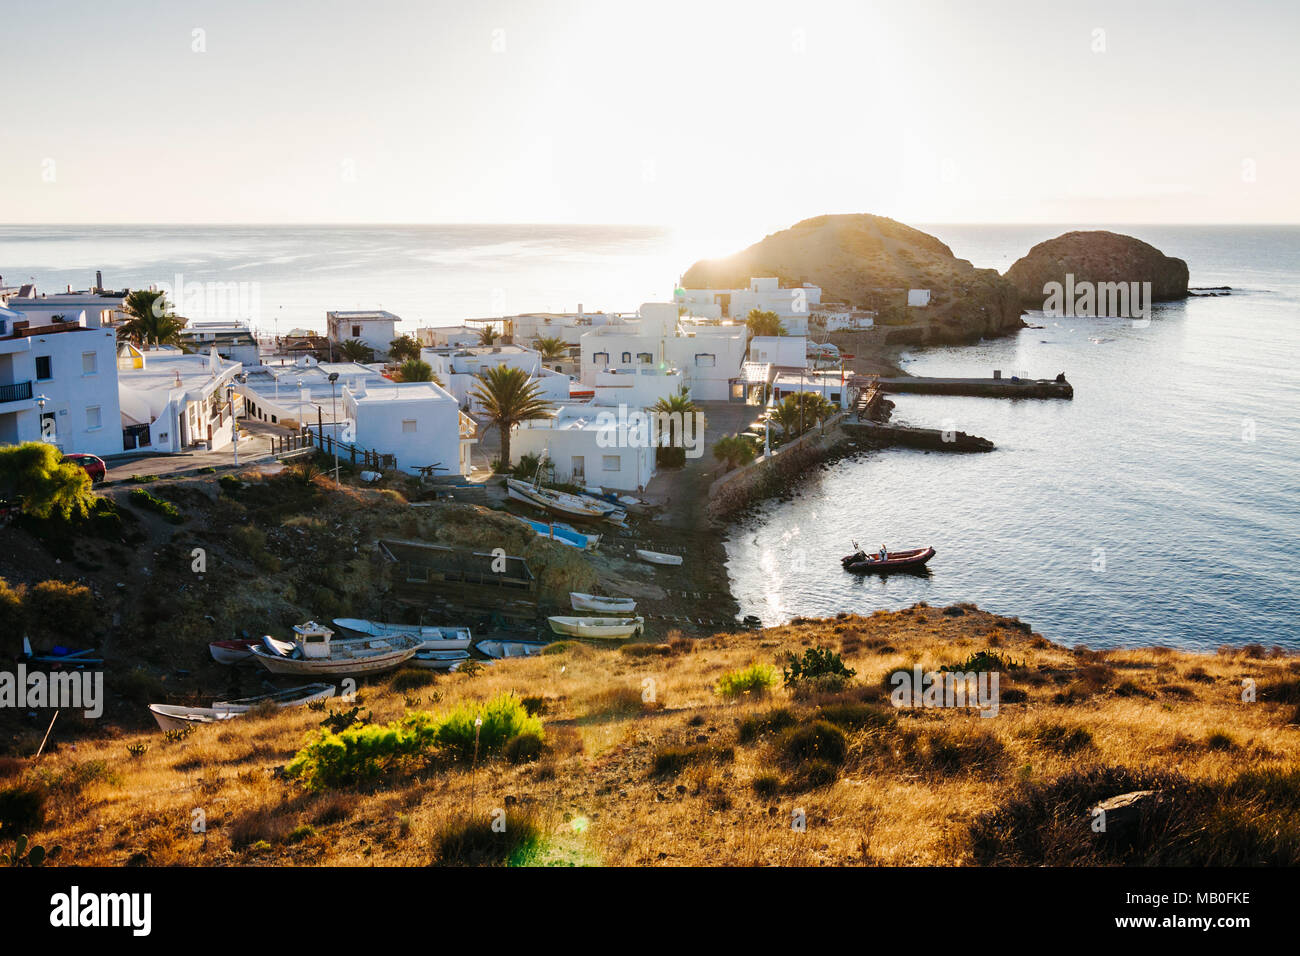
(91, 464)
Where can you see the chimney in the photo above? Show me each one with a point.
(99, 281)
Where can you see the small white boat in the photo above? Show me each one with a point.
(658, 557)
(607, 628)
(501, 650)
(605, 605)
(439, 660)
(316, 652)
(431, 636)
(234, 651)
(180, 716)
(561, 502)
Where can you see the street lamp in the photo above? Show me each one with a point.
(52, 438)
(767, 423)
(234, 422)
(334, 419)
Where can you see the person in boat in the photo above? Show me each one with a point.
(884, 553)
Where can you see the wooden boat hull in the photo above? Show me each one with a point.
(603, 605)
(557, 502)
(178, 716)
(432, 636)
(438, 660)
(911, 560)
(610, 629)
(505, 650)
(232, 652)
(336, 665)
(658, 557)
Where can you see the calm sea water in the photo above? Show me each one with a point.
(1161, 505)
(1176, 467)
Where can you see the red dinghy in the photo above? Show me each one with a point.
(912, 560)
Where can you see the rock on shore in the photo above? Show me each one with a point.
(869, 261)
(1097, 256)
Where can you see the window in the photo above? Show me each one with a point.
(627, 358)
(645, 358)
(44, 369)
(89, 363)
(356, 331)
(600, 358)
(408, 424)
(611, 463)
(92, 417)
(706, 360)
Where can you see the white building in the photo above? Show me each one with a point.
(587, 445)
(636, 387)
(458, 370)
(832, 384)
(375, 327)
(101, 307)
(446, 336)
(708, 356)
(525, 329)
(58, 382)
(790, 351)
(172, 402)
(233, 340)
(418, 423)
(791, 305)
(301, 392)
(918, 298)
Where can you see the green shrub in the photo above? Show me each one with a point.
(35, 474)
(756, 679)
(817, 662)
(983, 661)
(142, 499)
(364, 752)
(61, 609)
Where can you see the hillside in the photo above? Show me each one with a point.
(1097, 256)
(870, 261)
(643, 763)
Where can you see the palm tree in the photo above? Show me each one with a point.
(354, 350)
(677, 406)
(764, 323)
(414, 370)
(734, 450)
(553, 348)
(509, 396)
(404, 348)
(151, 320)
(488, 335)
(798, 412)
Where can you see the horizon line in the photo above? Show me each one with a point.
(626, 225)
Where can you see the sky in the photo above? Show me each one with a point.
(743, 117)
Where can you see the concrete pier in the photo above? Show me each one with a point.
(931, 439)
(985, 387)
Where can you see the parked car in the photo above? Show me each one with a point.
(91, 464)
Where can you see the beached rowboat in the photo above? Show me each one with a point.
(314, 651)
(500, 650)
(563, 503)
(233, 651)
(431, 636)
(605, 605)
(607, 628)
(658, 557)
(179, 716)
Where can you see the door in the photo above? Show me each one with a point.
(579, 470)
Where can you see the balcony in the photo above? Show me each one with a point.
(17, 392)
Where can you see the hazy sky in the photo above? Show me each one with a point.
(698, 113)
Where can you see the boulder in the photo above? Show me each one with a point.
(1097, 257)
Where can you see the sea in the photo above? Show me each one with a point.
(1160, 506)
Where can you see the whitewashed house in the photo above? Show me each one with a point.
(418, 423)
(58, 382)
(375, 327)
(792, 305)
(790, 351)
(233, 340)
(102, 307)
(708, 356)
(458, 370)
(172, 402)
(446, 336)
(589, 445)
(301, 392)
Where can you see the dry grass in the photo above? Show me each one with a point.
(646, 764)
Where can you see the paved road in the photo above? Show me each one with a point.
(255, 443)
